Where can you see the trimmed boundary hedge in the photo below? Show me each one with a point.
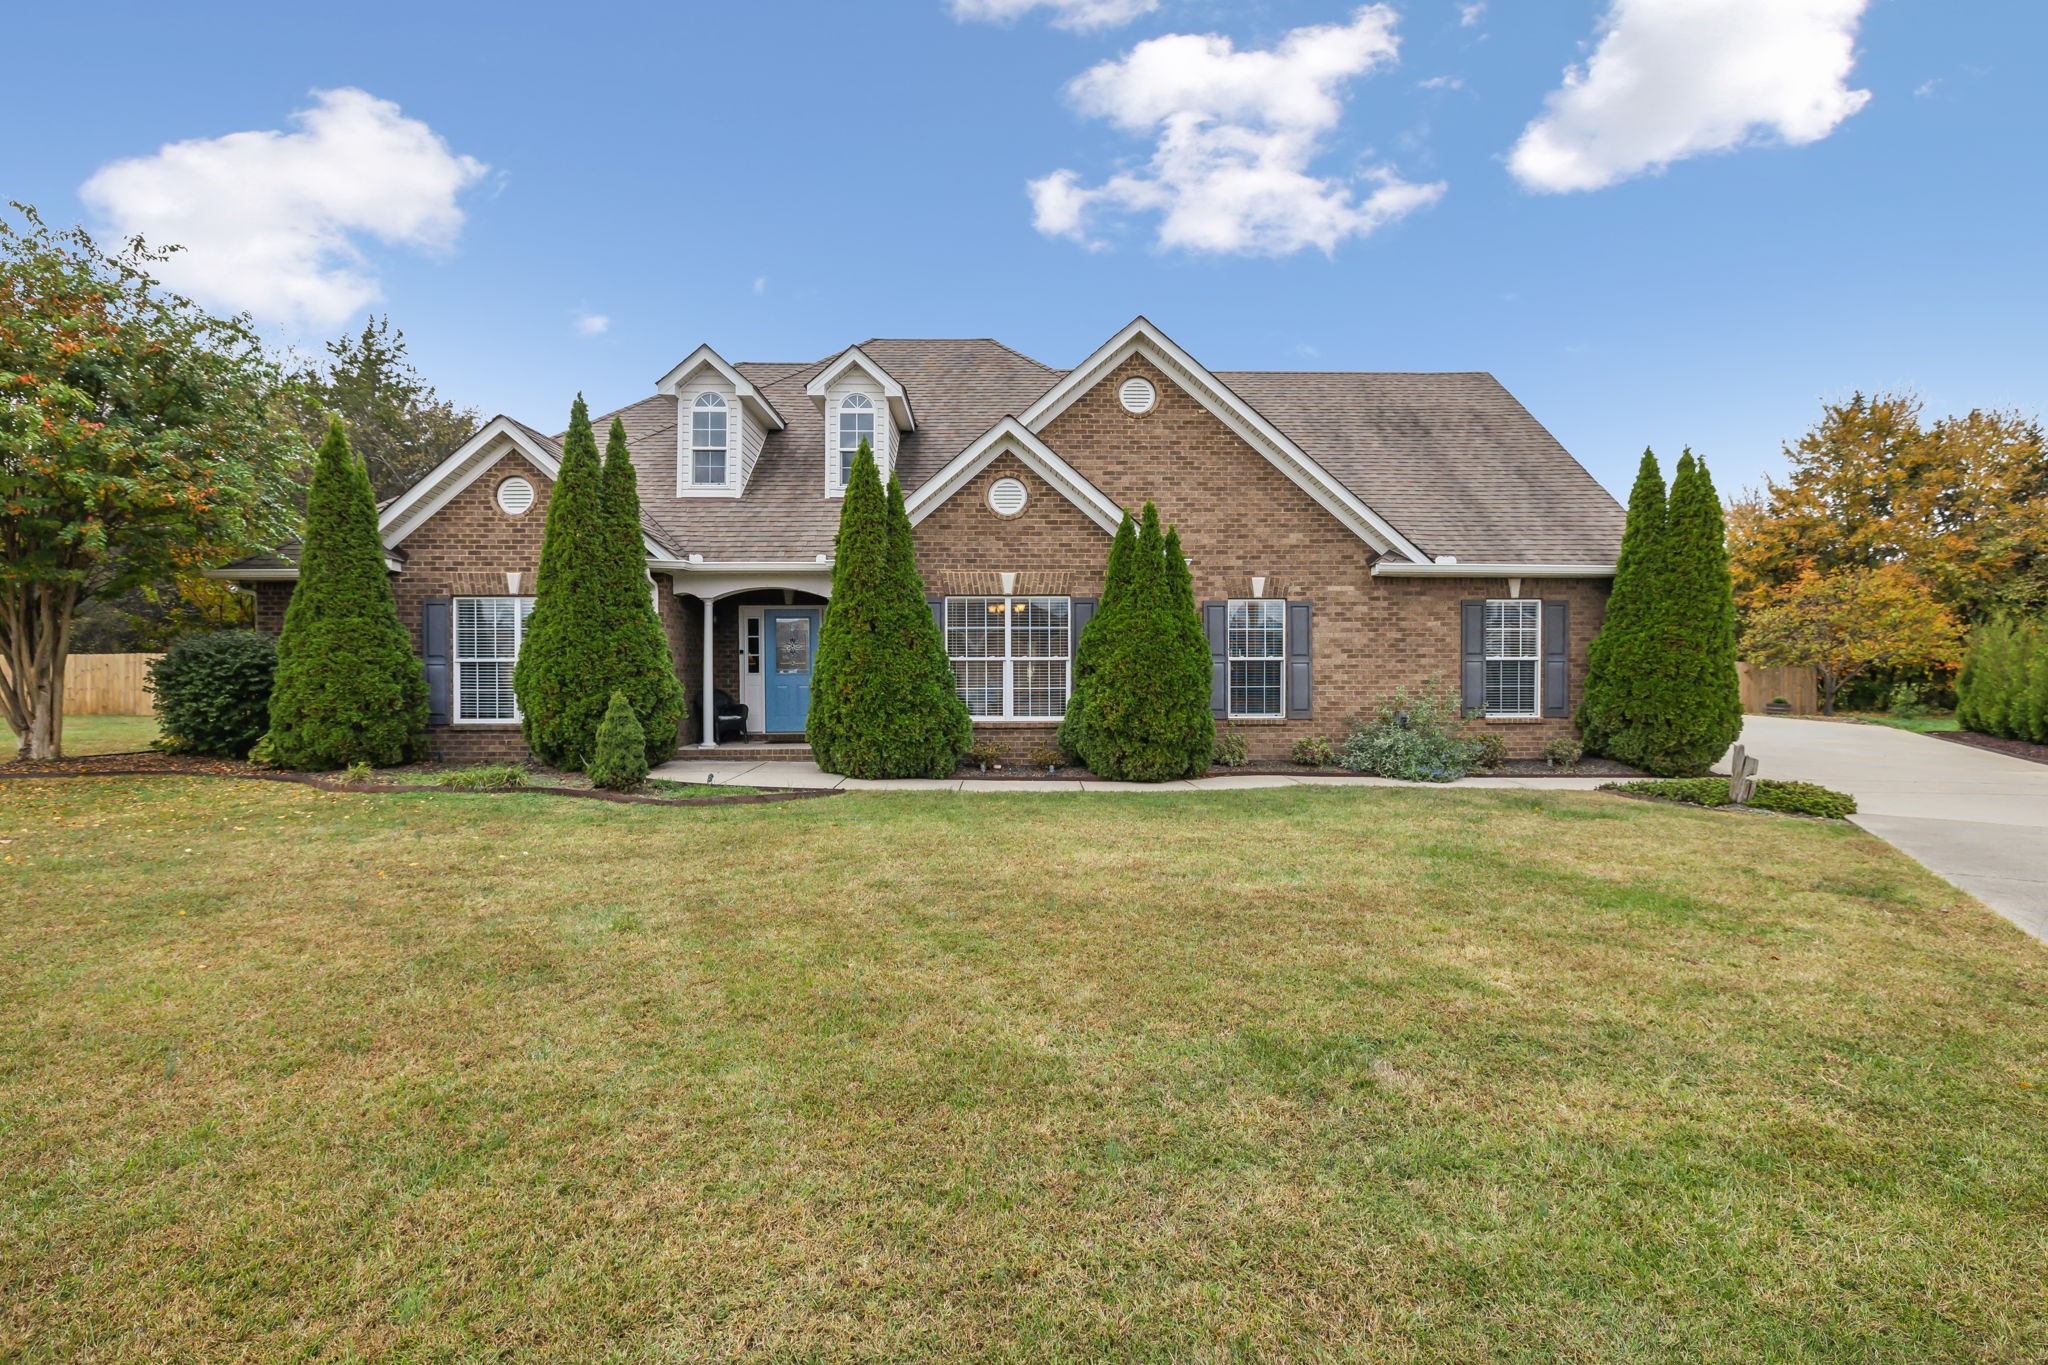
(1785, 798)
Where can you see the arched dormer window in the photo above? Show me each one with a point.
(856, 424)
(707, 441)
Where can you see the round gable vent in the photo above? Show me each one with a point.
(515, 495)
(1006, 497)
(1137, 395)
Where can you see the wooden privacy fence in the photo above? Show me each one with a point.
(1761, 686)
(108, 685)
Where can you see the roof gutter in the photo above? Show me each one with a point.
(1393, 568)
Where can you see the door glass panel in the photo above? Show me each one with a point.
(793, 644)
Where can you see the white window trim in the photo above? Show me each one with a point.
(835, 481)
(1535, 659)
(1009, 660)
(455, 660)
(1229, 659)
(718, 405)
(686, 444)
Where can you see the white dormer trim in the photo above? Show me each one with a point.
(474, 458)
(1012, 437)
(853, 356)
(494, 440)
(750, 397)
(1141, 337)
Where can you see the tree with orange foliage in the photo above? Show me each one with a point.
(138, 440)
(1843, 623)
(1962, 503)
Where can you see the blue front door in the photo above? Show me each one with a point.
(786, 683)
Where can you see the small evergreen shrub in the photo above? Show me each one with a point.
(1563, 752)
(1412, 737)
(1046, 756)
(619, 762)
(359, 773)
(264, 753)
(1905, 703)
(2003, 688)
(485, 777)
(1231, 750)
(984, 753)
(1489, 752)
(213, 692)
(1314, 751)
(1789, 798)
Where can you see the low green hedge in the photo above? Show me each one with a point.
(1789, 798)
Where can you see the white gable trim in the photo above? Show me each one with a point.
(899, 401)
(1012, 437)
(1517, 569)
(1141, 337)
(471, 461)
(748, 394)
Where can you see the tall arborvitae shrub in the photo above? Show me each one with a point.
(1699, 698)
(641, 665)
(1621, 680)
(565, 660)
(1116, 580)
(2003, 687)
(349, 685)
(1148, 717)
(882, 697)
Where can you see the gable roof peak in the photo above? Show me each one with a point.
(853, 357)
(750, 396)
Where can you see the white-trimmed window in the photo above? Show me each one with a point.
(1258, 659)
(488, 633)
(1513, 653)
(707, 441)
(856, 424)
(1011, 655)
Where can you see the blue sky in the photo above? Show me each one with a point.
(1279, 185)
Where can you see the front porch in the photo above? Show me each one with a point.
(749, 636)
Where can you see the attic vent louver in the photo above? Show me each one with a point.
(515, 495)
(1137, 395)
(1006, 497)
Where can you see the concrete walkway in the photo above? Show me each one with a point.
(1977, 818)
(810, 777)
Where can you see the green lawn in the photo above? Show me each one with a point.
(1919, 725)
(96, 735)
(1302, 1074)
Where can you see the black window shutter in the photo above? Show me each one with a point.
(1300, 660)
(1557, 658)
(938, 606)
(1472, 638)
(1080, 613)
(1216, 625)
(434, 657)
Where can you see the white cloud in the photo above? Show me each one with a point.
(270, 221)
(593, 324)
(1441, 83)
(1071, 14)
(760, 284)
(1235, 134)
(1927, 89)
(1672, 79)
(1470, 15)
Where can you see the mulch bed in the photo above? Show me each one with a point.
(151, 764)
(2012, 748)
(1515, 767)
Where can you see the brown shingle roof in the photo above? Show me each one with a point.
(1452, 460)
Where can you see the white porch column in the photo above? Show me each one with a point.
(709, 709)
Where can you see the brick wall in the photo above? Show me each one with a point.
(1239, 517)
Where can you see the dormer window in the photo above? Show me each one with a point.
(708, 441)
(856, 424)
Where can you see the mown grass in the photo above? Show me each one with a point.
(1301, 1074)
(1919, 725)
(95, 735)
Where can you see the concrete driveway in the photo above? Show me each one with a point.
(1977, 818)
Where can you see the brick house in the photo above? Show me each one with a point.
(1348, 533)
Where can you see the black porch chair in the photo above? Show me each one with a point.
(728, 717)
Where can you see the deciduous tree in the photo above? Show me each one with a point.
(1844, 622)
(139, 439)
(1962, 503)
